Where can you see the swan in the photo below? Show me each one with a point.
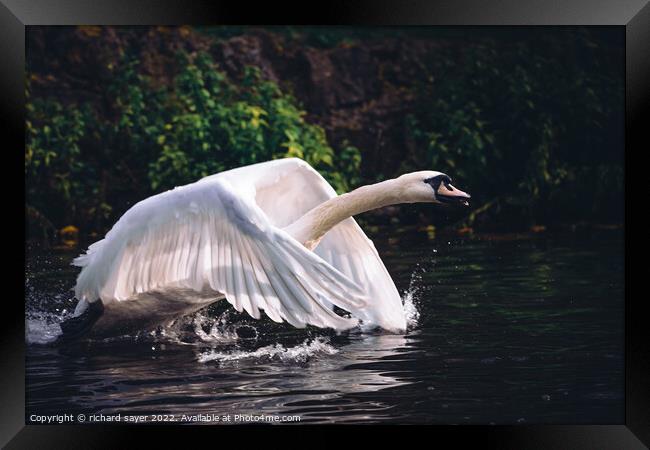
(272, 237)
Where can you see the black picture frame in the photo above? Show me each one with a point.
(633, 15)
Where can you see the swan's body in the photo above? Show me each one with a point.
(272, 236)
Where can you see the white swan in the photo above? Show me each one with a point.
(272, 236)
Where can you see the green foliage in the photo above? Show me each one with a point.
(529, 121)
(203, 123)
(214, 125)
(54, 162)
(511, 126)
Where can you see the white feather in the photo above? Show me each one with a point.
(212, 235)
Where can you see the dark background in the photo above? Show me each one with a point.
(528, 120)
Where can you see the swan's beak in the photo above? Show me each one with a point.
(452, 196)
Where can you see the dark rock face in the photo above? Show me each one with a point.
(341, 78)
(238, 52)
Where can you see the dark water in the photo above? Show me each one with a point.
(511, 329)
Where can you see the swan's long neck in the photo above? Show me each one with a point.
(311, 227)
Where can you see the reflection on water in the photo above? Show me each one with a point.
(502, 331)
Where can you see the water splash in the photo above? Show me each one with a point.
(45, 312)
(42, 328)
(411, 298)
(299, 354)
(203, 327)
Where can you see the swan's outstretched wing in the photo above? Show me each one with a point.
(347, 248)
(285, 190)
(207, 236)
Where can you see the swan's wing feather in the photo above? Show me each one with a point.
(347, 248)
(285, 190)
(207, 236)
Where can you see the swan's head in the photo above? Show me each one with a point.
(431, 187)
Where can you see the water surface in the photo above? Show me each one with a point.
(503, 329)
